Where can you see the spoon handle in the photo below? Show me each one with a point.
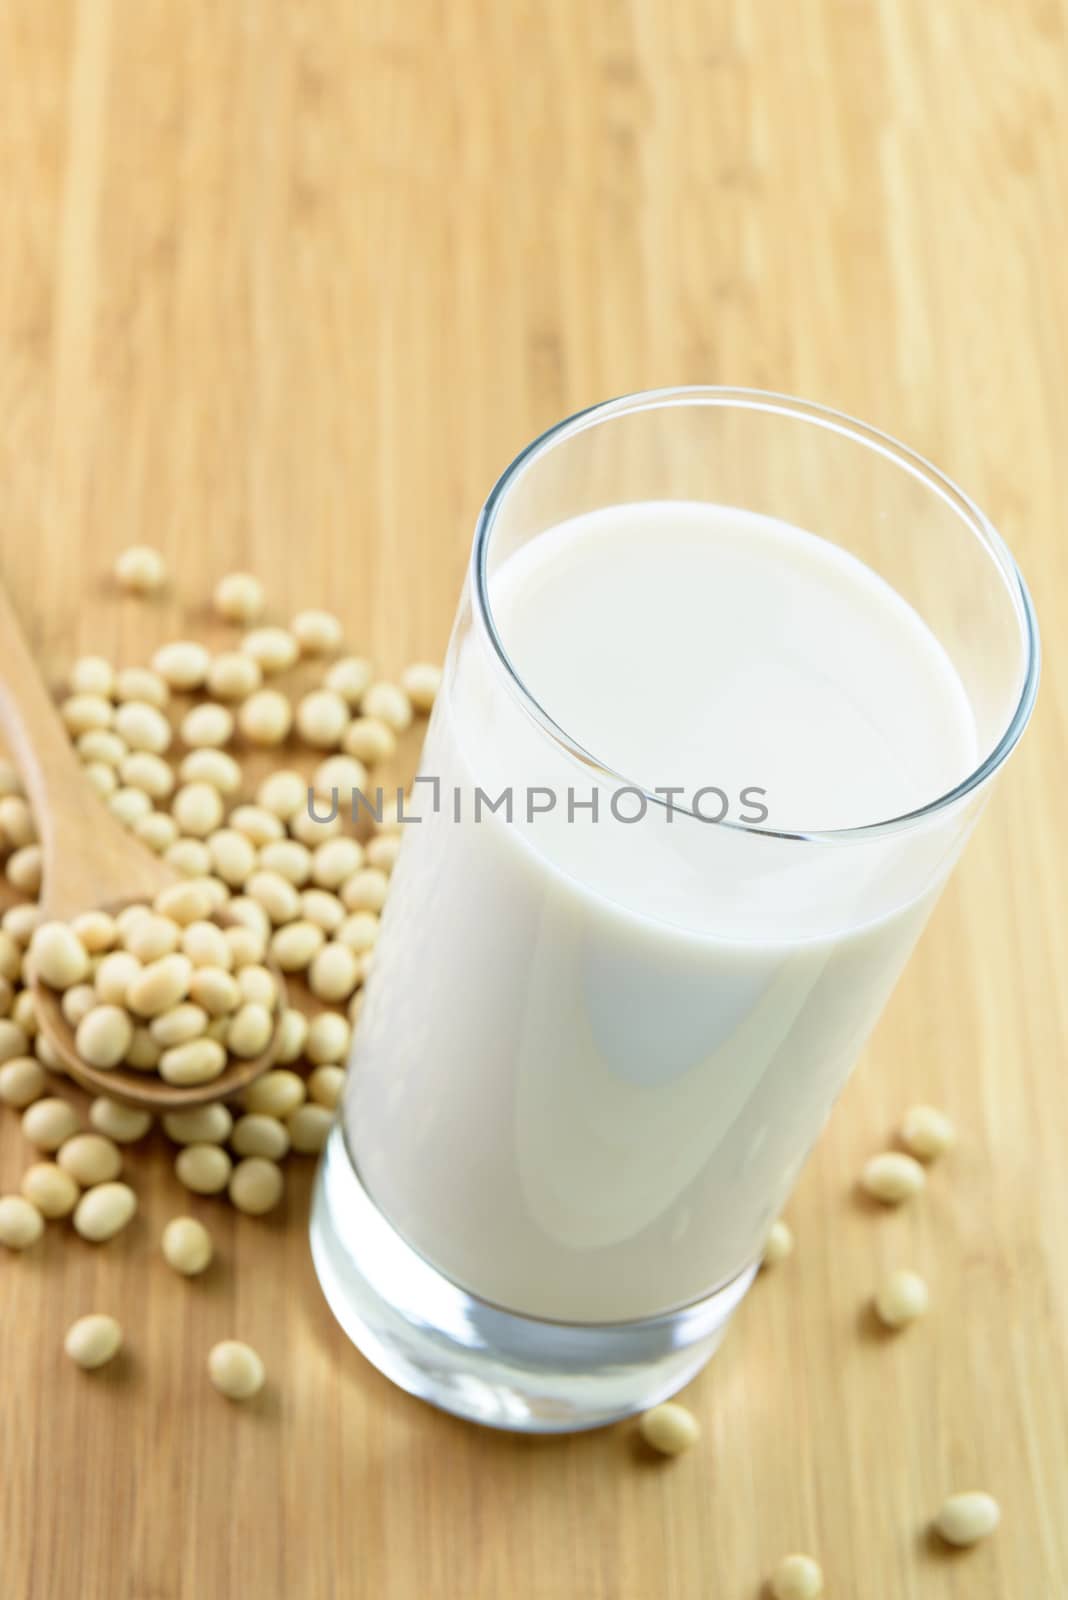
(88, 857)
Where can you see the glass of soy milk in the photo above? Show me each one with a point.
(729, 681)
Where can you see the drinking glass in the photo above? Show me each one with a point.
(594, 1052)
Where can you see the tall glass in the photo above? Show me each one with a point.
(609, 1015)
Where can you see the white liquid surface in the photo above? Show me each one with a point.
(593, 1056)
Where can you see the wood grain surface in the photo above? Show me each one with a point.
(284, 286)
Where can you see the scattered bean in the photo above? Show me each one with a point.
(92, 675)
(275, 894)
(14, 1039)
(102, 779)
(901, 1298)
(185, 902)
(292, 1034)
(21, 922)
(265, 717)
(233, 856)
(25, 869)
(211, 766)
(322, 718)
(366, 890)
(203, 1168)
(257, 823)
(255, 1185)
(276, 1094)
(359, 931)
(249, 915)
(49, 1123)
(82, 713)
(329, 1037)
(892, 1177)
(797, 1577)
(143, 727)
(294, 945)
(967, 1517)
(125, 1124)
(197, 808)
(326, 1085)
(257, 986)
(272, 648)
(248, 945)
(143, 770)
(186, 1245)
(338, 782)
(129, 805)
(183, 664)
(21, 1224)
(52, 1190)
(311, 831)
(102, 1212)
(143, 685)
(208, 725)
(927, 1132)
(258, 1135)
(250, 1031)
(335, 861)
(389, 703)
(322, 908)
(239, 597)
(233, 676)
(308, 1127)
(382, 852)
(210, 1124)
(22, 1081)
(24, 1017)
(236, 1370)
(102, 747)
(12, 959)
(289, 858)
(318, 633)
(421, 682)
(140, 569)
(350, 677)
(778, 1244)
(284, 793)
(93, 1341)
(370, 740)
(90, 1158)
(16, 822)
(669, 1428)
(334, 972)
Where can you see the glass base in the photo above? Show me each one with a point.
(476, 1360)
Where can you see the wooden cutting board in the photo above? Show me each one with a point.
(284, 287)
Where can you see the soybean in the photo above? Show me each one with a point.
(93, 1340)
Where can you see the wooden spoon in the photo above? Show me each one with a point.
(90, 861)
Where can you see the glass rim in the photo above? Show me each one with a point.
(817, 415)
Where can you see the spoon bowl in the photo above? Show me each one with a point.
(145, 1089)
(90, 860)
